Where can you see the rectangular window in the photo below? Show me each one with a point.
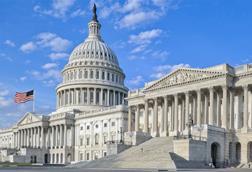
(97, 74)
(113, 124)
(87, 156)
(91, 96)
(81, 156)
(103, 75)
(108, 76)
(88, 140)
(104, 139)
(81, 141)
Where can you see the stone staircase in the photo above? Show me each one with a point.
(154, 153)
(243, 165)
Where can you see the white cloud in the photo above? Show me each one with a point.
(4, 97)
(28, 47)
(145, 37)
(50, 76)
(47, 40)
(136, 80)
(139, 48)
(23, 78)
(162, 55)
(53, 41)
(9, 43)
(57, 56)
(162, 70)
(77, 13)
(59, 8)
(131, 20)
(49, 65)
(132, 5)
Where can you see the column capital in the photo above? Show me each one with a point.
(211, 88)
(245, 86)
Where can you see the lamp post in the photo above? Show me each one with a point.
(189, 124)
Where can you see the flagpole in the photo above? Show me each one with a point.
(33, 102)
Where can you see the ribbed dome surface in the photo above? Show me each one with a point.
(93, 49)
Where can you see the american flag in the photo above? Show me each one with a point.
(24, 97)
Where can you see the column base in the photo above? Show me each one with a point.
(154, 134)
(174, 133)
(164, 134)
(244, 130)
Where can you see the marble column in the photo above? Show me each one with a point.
(72, 135)
(164, 120)
(137, 118)
(42, 137)
(211, 108)
(198, 107)
(60, 135)
(187, 107)
(224, 107)
(175, 113)
(245, 107)
(88, 96)
(155, 118)
(206, 109)
(18, 140)
(231, 106)
(56, 135)
(101, 97)
(114, 98)
(53, 137)
(108, 97)
(48, 137)
(218, 112)
(130, 119)
(146, 116)
(65, 135)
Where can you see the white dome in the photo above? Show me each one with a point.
(92, 78)
(93, 50)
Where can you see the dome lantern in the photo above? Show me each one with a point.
(94, 26)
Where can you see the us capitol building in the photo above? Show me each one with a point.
(188, 118)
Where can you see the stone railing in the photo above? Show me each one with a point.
(136, 92)
(105, 109)
(62, 115)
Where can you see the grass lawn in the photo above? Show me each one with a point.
(11, 164)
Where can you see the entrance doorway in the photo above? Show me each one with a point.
(250, 151)
(238, 152)
(46, 159)
(215, 154)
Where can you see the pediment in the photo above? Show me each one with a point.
(29, 118)
(183, 75)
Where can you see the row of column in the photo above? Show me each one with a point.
(90, 96)
(38, 137)
(29, 137)
(203, 106)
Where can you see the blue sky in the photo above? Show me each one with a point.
(150, 38)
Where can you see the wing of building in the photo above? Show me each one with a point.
(91, 110)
